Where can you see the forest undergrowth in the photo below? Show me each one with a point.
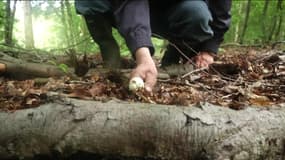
(240, 77)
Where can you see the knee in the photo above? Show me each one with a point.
(192, 19)
(197, 13)
(202, 19)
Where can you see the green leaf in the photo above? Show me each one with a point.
(63, 67)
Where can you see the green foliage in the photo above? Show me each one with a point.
(45, 7)
(255, 33)
(63, 67)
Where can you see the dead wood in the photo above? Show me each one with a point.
(143, 130)
(20, 69)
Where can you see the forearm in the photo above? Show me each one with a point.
(133, 22)
(143, 55)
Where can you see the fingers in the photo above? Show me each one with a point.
(204, 59)
(148, 73)
(150, 81)
(202, 63)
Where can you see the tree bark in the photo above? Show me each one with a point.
(19, 69)
(29, 35)
(65, 127)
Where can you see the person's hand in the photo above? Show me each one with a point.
(204, 59)
(145, 69)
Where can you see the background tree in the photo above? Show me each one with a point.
(245, 21)
(279, 17)
(9, 22)
(29, 35)
(2, 19)
(64, 21)
(263, 19)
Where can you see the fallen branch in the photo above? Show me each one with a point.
(241, 45)
(194, 71)
(20, 69)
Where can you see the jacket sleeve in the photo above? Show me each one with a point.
(220, 10)
(133, 23)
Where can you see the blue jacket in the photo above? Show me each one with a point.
(133, 19)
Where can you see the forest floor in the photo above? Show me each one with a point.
(240, 77)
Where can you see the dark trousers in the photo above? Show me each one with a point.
(185, 23)
(100, 28)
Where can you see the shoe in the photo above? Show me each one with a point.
(171, 56)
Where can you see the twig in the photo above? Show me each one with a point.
(184, 55)
(177, 48)
(164, 80)
(194, 71)
(72, 45)
(241, 45)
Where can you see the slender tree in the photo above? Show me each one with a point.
(70, 21)
(65, 24)
(9, 22)
(245, 21)
(238, 23)
(7, 38)
(29, 35)
(280, 19)
(263, 20)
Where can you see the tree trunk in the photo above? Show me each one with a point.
(7, 31)
(13, 18)
(61, 129)
(9, 22)
(280, 20)
(70, 22)
(237, 27)
(64, 22)
(245, 21)
(19, 69)
(29, 35)
(263, 20)
(274, 21)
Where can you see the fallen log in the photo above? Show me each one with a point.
(20, 69)
(62, 128)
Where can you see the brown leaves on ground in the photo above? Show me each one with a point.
(20, 94)
(250, 78)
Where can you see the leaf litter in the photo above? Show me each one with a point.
(236, 80)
